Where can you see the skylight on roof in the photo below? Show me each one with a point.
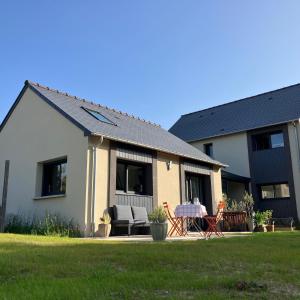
(98, 116)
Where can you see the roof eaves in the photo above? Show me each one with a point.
(240, 131)
(212, 162)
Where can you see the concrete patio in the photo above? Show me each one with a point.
(189, 237)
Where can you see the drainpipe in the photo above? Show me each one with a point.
(93, 198)
(297, 141)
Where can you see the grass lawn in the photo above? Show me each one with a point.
(261, 266)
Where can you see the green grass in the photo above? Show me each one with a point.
(261, 266)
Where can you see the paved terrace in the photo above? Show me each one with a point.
(189, 237)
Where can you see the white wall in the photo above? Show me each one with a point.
(295, 161)
(36, 132)
(231, 150)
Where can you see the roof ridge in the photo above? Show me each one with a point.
(242, 99)
(28, 82)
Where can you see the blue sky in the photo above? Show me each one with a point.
(155, 59)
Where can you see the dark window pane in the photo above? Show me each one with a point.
(208, 149)
(136, 179)
(54, 178)
(267, 191)
(121, 177)
(277, 140)
(282, 190)
(261, 142)
(194, 188)
(268, 141)
(275, 191)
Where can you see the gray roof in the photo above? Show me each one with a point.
(271, 108)
(126, 128)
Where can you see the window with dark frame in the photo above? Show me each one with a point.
(269, 140)
(275, 191)
(132, 178)
(54, 178)
(208, 149)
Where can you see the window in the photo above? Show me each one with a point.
(274, 191)
(98, 116)
(134, 178)
(54, 178)
(194, 185)
(268, 141)
(208, 149)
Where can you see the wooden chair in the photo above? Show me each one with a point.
(176, 223)
(212, 222)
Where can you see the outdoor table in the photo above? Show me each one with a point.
(189, 213)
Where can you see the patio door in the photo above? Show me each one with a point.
(194, 187)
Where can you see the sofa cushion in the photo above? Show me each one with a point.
(123, 212)
(140, 213)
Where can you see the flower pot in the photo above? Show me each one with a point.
(104, 230)
(159, 231)
(260, 228)
(250, 224)
(270, 228)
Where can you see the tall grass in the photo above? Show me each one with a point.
(50, 224)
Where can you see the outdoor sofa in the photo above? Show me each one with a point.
(129, 217)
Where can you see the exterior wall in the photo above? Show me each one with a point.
(101, 180)
(272, 166)
(168, 181)
(216, 188)
(34, 133)
(295, 157)
(231, 150)
(171, 183)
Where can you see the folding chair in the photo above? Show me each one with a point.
(176, 223)
(212, 222)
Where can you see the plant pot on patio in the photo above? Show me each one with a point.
(158, 224)
(104, 230)
(260, 228)
(159, 231)
(105, 227)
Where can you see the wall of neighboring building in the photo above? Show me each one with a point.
(34, 133)
(294, 137)
(272, 166)
(230, 149)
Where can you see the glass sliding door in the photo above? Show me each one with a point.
(194, 187)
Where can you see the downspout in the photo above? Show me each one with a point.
(93, 198)
(297, 141)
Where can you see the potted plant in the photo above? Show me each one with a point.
(158, 224)
(105, 226)
(261, 220)
(248, 203)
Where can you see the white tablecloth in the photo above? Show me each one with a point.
(191, 210)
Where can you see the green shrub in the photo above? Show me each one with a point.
(158, 215)
(49, 224)
(262, 217)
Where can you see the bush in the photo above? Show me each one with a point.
(49, 224)
(158, 215)
(262, 217)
